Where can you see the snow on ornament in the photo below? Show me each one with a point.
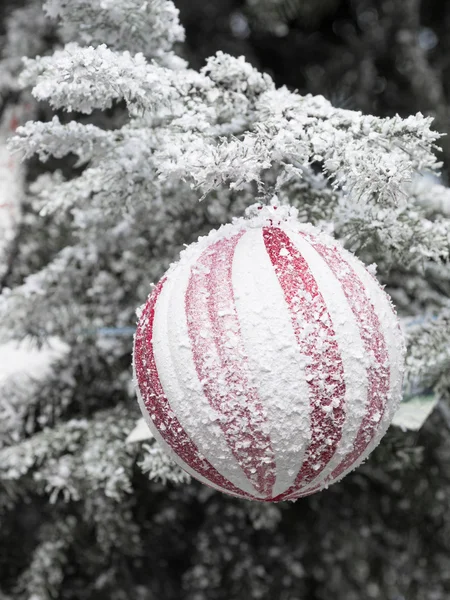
(268, 360)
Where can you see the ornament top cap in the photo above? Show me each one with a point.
(259, 215)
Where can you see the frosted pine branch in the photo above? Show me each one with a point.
(56, 139)
(364, 156)
(32, 300)
(20, 459)
(159, 467)
(83, 79)
(32, 381)
(45, 573)
(399, 235)
(26, 30)
(200, 139)
(432, 197)
(75, 456)
(151, 26)
(429, 348)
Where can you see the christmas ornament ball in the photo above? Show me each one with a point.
(268, 360)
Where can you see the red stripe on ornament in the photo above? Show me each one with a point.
(316, 338)
(222, 364)
(158, 405)
(378, 372)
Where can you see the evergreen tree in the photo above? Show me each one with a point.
(142, 154)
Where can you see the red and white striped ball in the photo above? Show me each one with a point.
(268, 360)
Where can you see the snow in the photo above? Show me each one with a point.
(11, 190)
(23, 360)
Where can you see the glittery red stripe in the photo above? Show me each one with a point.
(158, 405)
(378, 373)
(315, 336)
(222, 365)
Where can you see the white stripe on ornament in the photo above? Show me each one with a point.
(214, 331)
(393, 336)
(168, 450)
(276, 365)
(178, 376)
(351, 348)
(394, 341)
